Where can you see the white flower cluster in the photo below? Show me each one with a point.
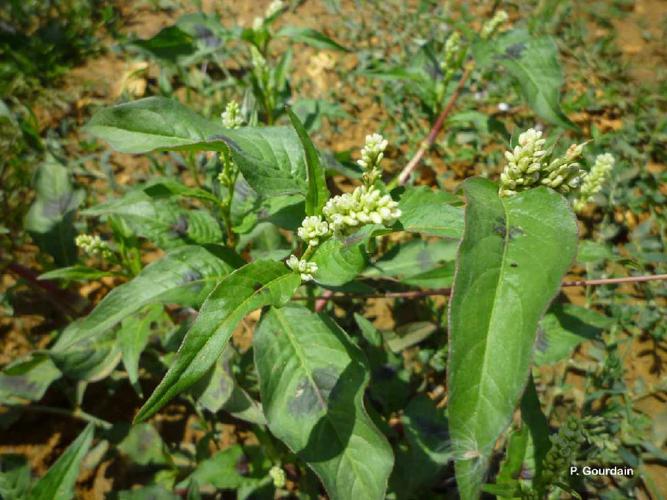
(371, 156)
(593, 181)
(493, 24)
(231, 116)
(564, 174)
(364, 205)
(302, 266)
(452, 58)
(277, 476)
(274, 7)
(312, 229)
(93, 245)
(523, 163)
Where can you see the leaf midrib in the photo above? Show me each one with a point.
(483, 376)
(302, 361)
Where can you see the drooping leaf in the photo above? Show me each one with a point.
(59, 480)
(312, 382)
(511, 260)
(252, 286)
(310, 37)
(163, 221)
(270, 158)
(28, 379)
(50, 218)
(185, 276)
(538, 427)
(563, 328)
(435, 213)
(317, 194)
(89, 360)
(132, 339)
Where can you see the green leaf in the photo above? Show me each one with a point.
(50, 218)
(533, 62)
(185, 276)
(563, 328)
(28, 379)
(14, 477)
(413, 259)
(341, 260)
(310, 37)
(424, 210)
(312, 382)
(222, 472)
(144, 445)
(538, 427)
(169, 44)
(89, 360)
(133, 338)
(163, 221)
(270, 158)
(253, 286)
(511, 260)
(428, 448)
(75, 273)
(166, 188)
(318, 194)
(408, 335)
(59, 480)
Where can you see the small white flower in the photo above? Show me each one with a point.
(312, 229)
(305, 268)
(257, 23)
(371, 156)
(93, 245)
(503, 107)
(231, 116)
(364, 205)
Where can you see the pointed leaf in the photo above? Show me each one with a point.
(59, 480)
(435, 213)
(511, 260)
(253, 286)
(184, 276)
(310, 37)
(270, 158)
(318, 194)
(312, 382)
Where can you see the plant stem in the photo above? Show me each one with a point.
(433, 133)
(410, 294)
(78, 414)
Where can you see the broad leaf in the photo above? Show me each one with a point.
(59, 480)
(511, 260)
(563, 328)
(50, 218)
(169, 44)
(27, 379)
(75, 273)
(341, 260)
(253, 286)
(144, 445)
(430, 212)
(310, 37)
(184, 276)
(89, 360)
(222, 469)
(533, 62)
(318, 194)
(312, 382)
(270, 158)
(163, 221)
